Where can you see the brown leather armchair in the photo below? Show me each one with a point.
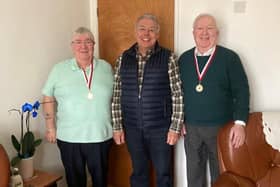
(4, 168)
(254, 164)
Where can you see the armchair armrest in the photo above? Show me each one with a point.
(4, 167)
(229, 179)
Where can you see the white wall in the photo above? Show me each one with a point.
(34, 35)
(253, 34)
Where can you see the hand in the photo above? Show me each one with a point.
(51, 135)
(237, 135)
(172, 137)
(119, 137)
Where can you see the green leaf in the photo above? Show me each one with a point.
(28, 145)
(37, 142)
(16, 143)
(15, 160)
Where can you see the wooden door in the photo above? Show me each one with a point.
(116, 21)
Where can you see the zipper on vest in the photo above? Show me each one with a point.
(140, 92)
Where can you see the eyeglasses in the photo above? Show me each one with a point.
(86, 42)
(208, 29)
(142, 29)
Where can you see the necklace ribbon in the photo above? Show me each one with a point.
(206, 66)
(88, 80)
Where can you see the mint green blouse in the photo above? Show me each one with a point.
(80, 119)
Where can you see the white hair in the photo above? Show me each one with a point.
(150, 17)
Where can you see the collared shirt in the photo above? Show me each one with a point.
(175, 86)
(141, 64)
(207, 53)
(80, 119)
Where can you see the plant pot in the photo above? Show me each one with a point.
(26, 168)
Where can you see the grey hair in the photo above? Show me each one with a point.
(84, 30)
(150, 17)
(202, 16)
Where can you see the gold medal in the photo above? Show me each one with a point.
(199, 88)
(90, 95)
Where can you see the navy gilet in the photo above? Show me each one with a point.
(152, 108)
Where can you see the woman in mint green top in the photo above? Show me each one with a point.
(78, 95)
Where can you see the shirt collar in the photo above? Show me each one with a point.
(148, 53)
(207, 53)
(75, 66)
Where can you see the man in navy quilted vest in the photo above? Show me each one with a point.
(147, 107)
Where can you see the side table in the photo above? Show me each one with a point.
(42, 179)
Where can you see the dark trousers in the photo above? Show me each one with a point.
(75, 157)
(200, 146)
(146, 145)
